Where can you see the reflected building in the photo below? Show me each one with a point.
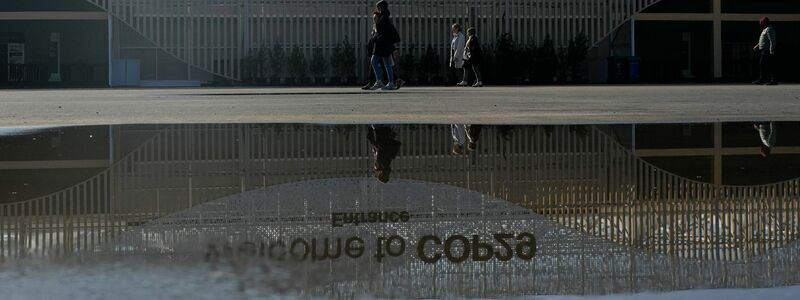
(609, 207)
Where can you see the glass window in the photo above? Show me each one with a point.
(681, 6)
(47, 5)
(761, 6)
(755, 170)
(699, 168)
(674, 136)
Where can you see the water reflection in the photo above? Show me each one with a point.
(610, 207)
(766, 131)
(384, 148)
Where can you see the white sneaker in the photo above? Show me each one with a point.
(389, 87)
(378, 85)
(463, 83)
(478, 84)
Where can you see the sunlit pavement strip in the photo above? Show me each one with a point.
(441, 105)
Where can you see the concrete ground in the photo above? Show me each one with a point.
(489, 105)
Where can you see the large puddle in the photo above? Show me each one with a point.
(401, 211)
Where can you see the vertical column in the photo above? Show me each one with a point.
(717, 154)
(717, 12)
(110, 56)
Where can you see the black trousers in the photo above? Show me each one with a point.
(475, 67)
(767, 66)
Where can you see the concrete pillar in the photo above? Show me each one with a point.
(717, 13)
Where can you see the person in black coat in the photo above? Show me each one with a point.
(384, 39)
(473, 57)
(371, 75)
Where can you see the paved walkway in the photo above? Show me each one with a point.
(491, 105)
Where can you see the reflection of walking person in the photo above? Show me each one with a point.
(457, 45)
(766, 131)
(385, 37)
(473, 56)
(464, 135)
(766, 48)
(384, 148)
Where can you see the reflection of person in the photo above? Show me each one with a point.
(766, 48)
(464, 135)
(384, 149)
(457, 45)
(766, 131)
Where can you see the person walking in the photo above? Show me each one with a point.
(385, 38)
(371, 77)
(457, 45)
(766, 48)
(473, 56)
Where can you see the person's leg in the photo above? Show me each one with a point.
(387, 62)
(459, 133)
(474, 133)
(370, 77)
(477, 69)
(465, 76)
(771, 65)
(762, 68)
(376, 68)
(460, 75)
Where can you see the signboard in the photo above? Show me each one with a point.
(350, 237)
(358, 230)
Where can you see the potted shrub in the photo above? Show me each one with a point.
(297, 67)
(577, 51)
(276, 59)
(408, 63)
(546, 62)
(430, 68)
(349, 62)
(527, 63)
(318, 67)
(343, 61)
(250, 69)
(506, 59)
(262, 62)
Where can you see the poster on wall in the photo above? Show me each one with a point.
(54, 57)
(16, 62)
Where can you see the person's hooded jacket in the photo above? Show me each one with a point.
(385, 34)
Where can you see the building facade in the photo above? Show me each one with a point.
(135, 42)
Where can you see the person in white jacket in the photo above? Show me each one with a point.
(767, 42)
(457, 46)
(766, 131)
